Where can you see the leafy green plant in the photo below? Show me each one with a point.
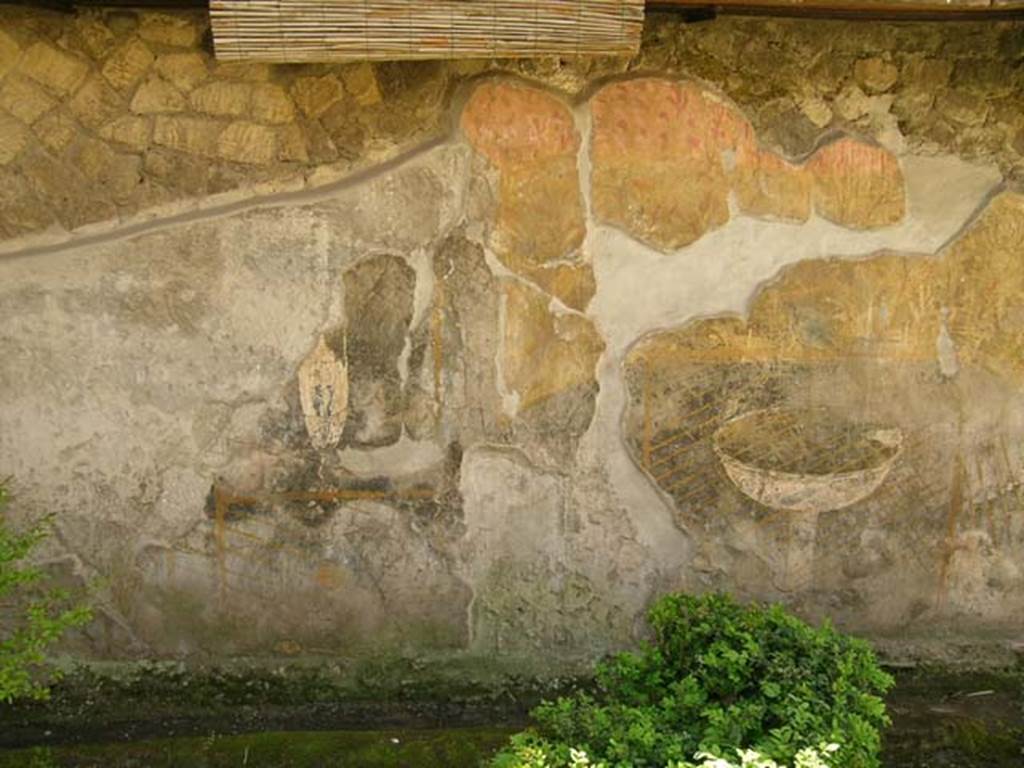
(34, 618)
(721, 677)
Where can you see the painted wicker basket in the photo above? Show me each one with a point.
(805, 460)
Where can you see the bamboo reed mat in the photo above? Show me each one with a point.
(345, 30)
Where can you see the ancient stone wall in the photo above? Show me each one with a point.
(469, 361)
(108, 117)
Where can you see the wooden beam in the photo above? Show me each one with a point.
(954, 10)
(850, 9)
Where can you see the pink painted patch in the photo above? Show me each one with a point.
(511, 123)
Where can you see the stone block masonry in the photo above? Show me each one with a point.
(184, 128)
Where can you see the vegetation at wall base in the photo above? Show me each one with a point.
(720, 679)
(41, 616)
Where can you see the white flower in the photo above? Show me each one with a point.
(808, 757)
(578, 759)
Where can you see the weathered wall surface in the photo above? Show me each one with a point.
(469, 364)
(108, 117)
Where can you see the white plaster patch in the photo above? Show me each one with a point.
(509, 397)
(407, 456)
(640, 289)
(423, 296)
(943, 193)
(510, 505)
(513, 512)
(945, 349)
(648, 510)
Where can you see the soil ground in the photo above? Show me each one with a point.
(940, 720)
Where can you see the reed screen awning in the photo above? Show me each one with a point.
(346, 30)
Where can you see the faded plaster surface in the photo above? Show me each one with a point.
(471, 404)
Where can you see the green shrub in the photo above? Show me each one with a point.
(40, 617)
(721, 677)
